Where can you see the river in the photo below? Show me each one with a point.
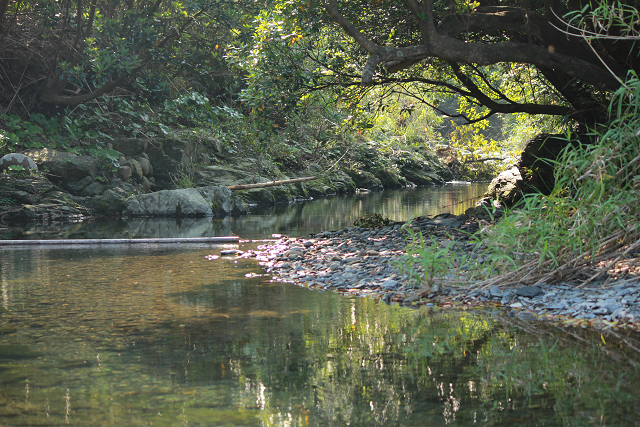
(163, 335)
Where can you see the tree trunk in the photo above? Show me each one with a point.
(271, 183)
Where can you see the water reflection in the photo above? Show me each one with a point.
(155, 335)
(296, 219)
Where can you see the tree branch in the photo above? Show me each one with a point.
(451, 49)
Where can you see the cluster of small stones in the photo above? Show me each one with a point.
(361, 262)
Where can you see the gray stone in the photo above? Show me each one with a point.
(495, 292)
(505, 185)
(623, 292)
(348, 276)
(223, 201)
(334, 265)
(17, 159)
(389, 284)
(124, 172)
(130, 146)
(76, 187)
(145, 184)
(145, 165)
(92, 189)
(529, 291)
(183, 202)
(136, 169)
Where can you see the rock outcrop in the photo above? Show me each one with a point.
(138, 177)
(204, 201)
(534, 172)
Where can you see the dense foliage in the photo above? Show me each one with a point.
(587, 228)
(278, 78)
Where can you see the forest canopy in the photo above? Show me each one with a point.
(493, 56)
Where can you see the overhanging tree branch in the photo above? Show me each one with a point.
(443, 45)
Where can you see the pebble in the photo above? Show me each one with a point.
(362, 262)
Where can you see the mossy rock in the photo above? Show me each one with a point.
(282, 194)
(421, 176)
(257, 196)
(391, 179)
(342, 182)
(374, 220)
(365, 179)
(299, 190)
(320, 187)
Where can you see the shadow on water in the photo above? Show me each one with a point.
(155, 335)
(297, 219)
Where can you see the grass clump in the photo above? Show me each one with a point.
(588, 225)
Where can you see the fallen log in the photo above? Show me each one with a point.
(221, 239)
(271, 183)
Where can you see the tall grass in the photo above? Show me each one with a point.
(588, 224)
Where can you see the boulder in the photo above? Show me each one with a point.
(365, 179)
(421, 176)
(534, 172)
(506, 186)
(343, 182)
(537, 162)
(62, 166)
(109, 202)
(130, 146)
(204, 201)
(124, 172)
(76, 187)
(17, 159)
(92, 189)
(145, 164)
(136, 168)
(182, 202)
(223, 201)
(145, 184)
(45, 212)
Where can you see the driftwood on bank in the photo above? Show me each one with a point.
(220, 239)
(271, 183)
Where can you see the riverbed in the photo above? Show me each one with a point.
(179, 335)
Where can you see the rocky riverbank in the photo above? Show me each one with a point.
(363, 262)
(174, 177)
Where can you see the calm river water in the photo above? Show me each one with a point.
(162, 335)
